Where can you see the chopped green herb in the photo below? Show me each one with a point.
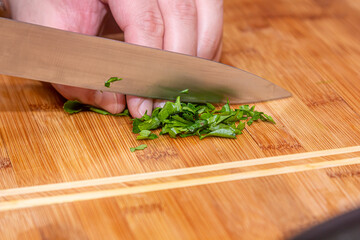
(74, 106)
(136, 123)
(185, 91)
(110, 80)
(146, 134)
(186, 119)
(141, 147)
(222, 132)
(210, 106)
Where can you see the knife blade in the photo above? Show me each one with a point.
(56, 56)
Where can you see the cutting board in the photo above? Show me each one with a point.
(73, 176)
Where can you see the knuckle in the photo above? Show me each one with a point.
(184, 9)
(151, 23)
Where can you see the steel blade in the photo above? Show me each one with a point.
(56, 56)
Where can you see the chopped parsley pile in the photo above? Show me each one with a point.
(179, 119)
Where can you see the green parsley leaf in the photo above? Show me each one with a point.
(110, 80)
(72, 107)
(152, 123)
(169, 109)
(141, 147)
(146, 135)
(199, 124)
(124, 113)
(136, 123)
(185, 91)
(222, 132)
(98, 110)
(241, 126)
(210, 106)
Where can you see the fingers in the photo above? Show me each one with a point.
(210, 22)
(159, 103)
(83, 16)
(111, 102)
(138, 106)
(191, 27)
(180, 19)
(181, 33)
(142, 24)
(140, 20)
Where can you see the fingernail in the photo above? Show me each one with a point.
(145, 107)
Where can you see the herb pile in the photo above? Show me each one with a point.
(186, 119)
(183, 119)
(203, 120)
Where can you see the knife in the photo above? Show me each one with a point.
(56, 56)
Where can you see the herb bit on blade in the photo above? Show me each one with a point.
(141, 147)
(185, 91)
(110, 80)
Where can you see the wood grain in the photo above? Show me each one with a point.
(73, 177)
(127, 190)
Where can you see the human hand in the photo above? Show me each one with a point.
(191, 27)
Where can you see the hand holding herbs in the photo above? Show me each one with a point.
(179, 119)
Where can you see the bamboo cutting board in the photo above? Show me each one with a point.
(73, 177)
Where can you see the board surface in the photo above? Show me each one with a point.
(73, 177)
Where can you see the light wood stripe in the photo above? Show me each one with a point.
(91, 195)
(175, 172)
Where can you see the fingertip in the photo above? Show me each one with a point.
(145, 107)
(109, 101)
(159, 103)
(138, 106)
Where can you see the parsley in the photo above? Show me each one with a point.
(185, 91)
(141, 147)
(146, 134)
(110, 80)
(202, 120)
(74, 106)
(185, 120)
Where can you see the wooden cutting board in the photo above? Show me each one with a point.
(73, 177)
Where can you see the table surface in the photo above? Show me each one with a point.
(73, 176)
